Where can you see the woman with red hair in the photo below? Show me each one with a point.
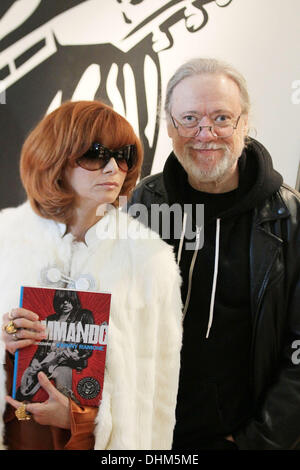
(74, 166)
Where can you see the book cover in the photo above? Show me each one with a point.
(73, 354)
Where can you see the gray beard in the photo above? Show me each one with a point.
(215, 174)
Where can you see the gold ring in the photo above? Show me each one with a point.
(10, 328)
(21, 413)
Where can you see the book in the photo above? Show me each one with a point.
(74, 351)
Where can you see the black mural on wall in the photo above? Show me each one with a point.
(297, 186)
(40, 67)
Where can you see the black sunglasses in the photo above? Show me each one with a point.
(98, 156)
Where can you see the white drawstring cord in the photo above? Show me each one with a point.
(213, 293)
(181, 238)
(187, 300)
(198, 230)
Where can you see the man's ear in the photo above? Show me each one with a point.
(245, 124)
(170, 128)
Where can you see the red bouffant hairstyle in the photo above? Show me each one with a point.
(58, 140)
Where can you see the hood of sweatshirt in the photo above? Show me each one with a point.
(257, 181)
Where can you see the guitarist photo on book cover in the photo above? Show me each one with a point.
(58, 363)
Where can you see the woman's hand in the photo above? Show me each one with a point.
(53, 412)
(29, 329)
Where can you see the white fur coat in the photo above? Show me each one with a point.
(143, 355)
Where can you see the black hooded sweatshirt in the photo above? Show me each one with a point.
(214, 398)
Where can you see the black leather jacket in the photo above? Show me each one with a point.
(275, 306)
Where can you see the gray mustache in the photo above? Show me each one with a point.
(211, 146)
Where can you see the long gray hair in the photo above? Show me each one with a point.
(200, 66)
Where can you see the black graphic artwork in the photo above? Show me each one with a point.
(84, 49)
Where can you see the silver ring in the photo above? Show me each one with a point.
(15, 337)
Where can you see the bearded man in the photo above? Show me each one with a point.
(240, 378)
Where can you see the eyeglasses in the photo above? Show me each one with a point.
(98, 156)
(221, 129)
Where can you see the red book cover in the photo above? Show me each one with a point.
(73, 354)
